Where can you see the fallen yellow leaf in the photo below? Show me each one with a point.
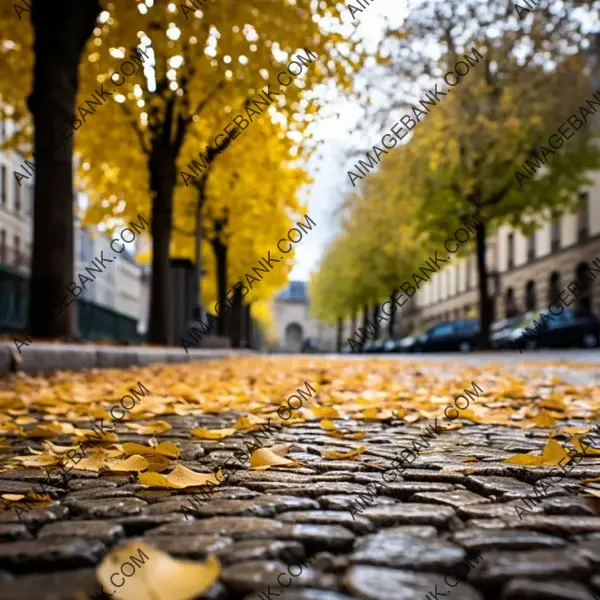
(263, 458)
(334, 455)
(544, 419)
(156, 427)
(168, 449)
(212, 434)
(133, 463)
(552, 455)
(588, 451)
(179, 478)
(158, 575)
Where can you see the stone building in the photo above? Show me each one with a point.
(293, 324)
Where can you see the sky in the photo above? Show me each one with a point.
(330, 165)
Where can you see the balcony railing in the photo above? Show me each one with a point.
(14, 257)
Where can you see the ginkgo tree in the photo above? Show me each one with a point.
(218, 59)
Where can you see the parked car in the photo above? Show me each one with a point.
(573, 327)
(392, 344)
(450, 336)
(373, 346)
(500, 331)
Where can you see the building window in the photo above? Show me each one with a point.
(3, 185)
(583, 218)
(555, 235)
(530, 299)
(554, 287)
(17, 197)
(511, 250)
(531, 247)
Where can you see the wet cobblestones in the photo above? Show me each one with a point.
(412, 534)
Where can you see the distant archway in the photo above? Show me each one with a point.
(510, 304)
(554, 287)
(293, 337)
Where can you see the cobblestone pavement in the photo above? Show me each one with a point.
(446, 525)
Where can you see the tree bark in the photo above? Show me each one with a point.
(485, 316)
(162, 186)
(392, 317)
(353, 323)
(60, 34)
(248, 325)
(197, 308)
(220, 251)
(236, 319)
(338, 342)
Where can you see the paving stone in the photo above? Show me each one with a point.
(34, 517)
(45, 554)
(566, 505)
(332, 537)
(406, 514)
(62, 585)
(380, 583)
(420, 531)
(406, 490)
(97, 492)
(499, 567)
(456, 499)
(236, 527)
(107, 508)
(265, 505)
(13, 531)
(106, 532)
(494, 511)
(590, 550)
(347, 501)
(399, 550)
(357, 524)
(502, 539)
(308, 594)
(8, 486)
(138, 524)
(286, 551)
(334, 487)
(256, 576)
(529, 589)
(557, 524)
(497, 485)
(190, 547)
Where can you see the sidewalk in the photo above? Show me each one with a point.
(40, 357)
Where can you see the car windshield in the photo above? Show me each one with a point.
(504, 323)
(529, 317)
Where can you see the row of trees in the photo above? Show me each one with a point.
(203, 70)
(462, 158)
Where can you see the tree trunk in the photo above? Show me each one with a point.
(376, 310)
(365, 316)
(236, 319)
(248, 324)
(340, 327)
(198, 266)
(162, 185)
(485, 316)
(220, 251)
(60, 34)
(392, 317)
(353, 323)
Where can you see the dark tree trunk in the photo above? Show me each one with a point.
(376, 310)
(60, 34)
(392, 317)
(248, 324)
(197, 307)
(340, 327)
(365, 316)
(220, 251)
(353, 324)
(485, 313)
(236, 319)
(162, 186)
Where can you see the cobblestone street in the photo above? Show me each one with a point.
(379, 484)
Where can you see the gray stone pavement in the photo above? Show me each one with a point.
(445, 527)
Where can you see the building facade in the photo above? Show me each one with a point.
(293, 324)
(524, 273)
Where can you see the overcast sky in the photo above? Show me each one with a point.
(331, 179)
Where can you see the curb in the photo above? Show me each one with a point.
(42, 358)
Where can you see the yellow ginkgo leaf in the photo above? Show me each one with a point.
(544, 419)
(328, 425)
(212, 434)
(40, 460)
(593, 492)
(58, 450)
(585, 448)
(334, 455)
(179, 478)
(325, 412)
(157, 463)
(94, 463)
(89, 436)
(158, 575)
(244, 422)
(371, 414)
(263, 458)
(133, 463)
(552, 455)
(44, 431)
(12, 497)
(156, 427)
(168, 449)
